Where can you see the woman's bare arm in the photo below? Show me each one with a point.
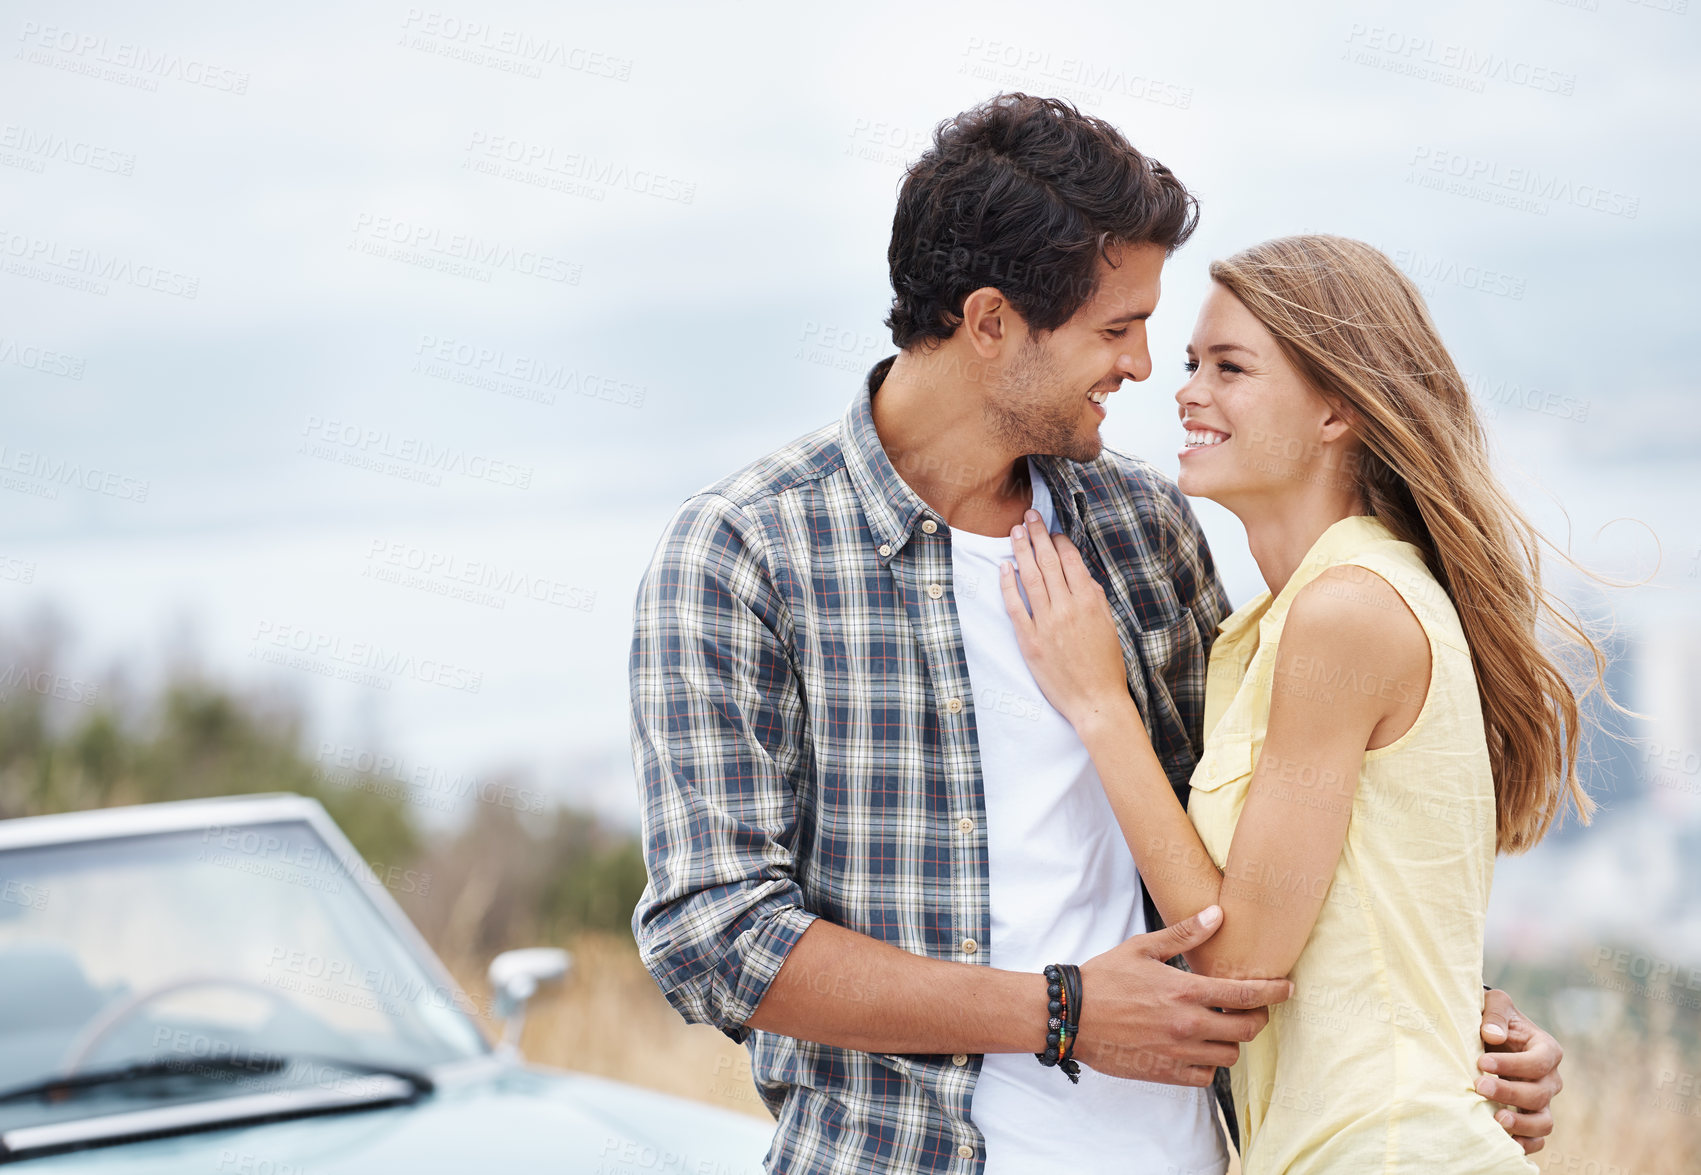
(1347, 662)
(1290, 833)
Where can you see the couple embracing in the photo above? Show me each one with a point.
(976, 812)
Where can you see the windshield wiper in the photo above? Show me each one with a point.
(380, 1086)
(61, 1087)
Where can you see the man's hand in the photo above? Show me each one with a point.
(1521, 1071)
(1146, 1020)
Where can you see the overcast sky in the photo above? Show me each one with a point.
(257, 394)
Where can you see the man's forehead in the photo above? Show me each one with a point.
(1130, 279)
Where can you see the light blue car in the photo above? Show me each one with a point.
(223, 987)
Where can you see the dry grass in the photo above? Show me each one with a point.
(610, 1019)
(1632, 1102)
(1627, 1109)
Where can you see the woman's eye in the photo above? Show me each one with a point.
(1117, 334)
(1190, 366)
(1225, 365)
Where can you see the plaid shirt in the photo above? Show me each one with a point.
(804, 733)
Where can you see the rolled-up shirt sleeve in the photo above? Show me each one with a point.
(718, 743)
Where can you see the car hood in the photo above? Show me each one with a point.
(512, 1119)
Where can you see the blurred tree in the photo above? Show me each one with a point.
(510, 879)
(67, 744)
(499, 879)
(597, 890)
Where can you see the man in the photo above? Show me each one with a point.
(865, 829)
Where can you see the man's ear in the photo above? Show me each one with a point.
(987, 322)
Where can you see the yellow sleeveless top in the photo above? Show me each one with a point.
(1371, 1065)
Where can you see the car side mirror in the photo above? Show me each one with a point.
(514, 977)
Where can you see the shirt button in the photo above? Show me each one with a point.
(934, 591)
(885, 548)
(970, 946)
(954, 705)
(966, 824)
(928, 526)
(960, 1059)
(965, 1151)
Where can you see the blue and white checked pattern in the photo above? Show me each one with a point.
(803, 730)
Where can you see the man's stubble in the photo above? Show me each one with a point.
(1033, 412)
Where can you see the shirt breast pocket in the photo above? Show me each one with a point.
(1220, 783)
(1227, 759)
(1171, 662)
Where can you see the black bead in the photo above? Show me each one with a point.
(1051, 1056)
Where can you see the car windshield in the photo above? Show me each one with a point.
(201, 958)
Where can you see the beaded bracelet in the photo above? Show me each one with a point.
(1072, 1016)
(1063, 1008)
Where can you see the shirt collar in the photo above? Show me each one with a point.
(1068, 495)
(894, 510)
(1339, 541)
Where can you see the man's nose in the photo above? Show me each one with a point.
(1135, 363)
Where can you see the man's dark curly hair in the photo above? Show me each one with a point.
(1024, 194)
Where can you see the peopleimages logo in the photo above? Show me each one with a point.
(1455, 63)
(315, 651)
(514, 50)
(411, 236)
(422, 784)
(1531, 182)
(1493, 393)
(39, 257)
(1004, 62)
(381, 449)
(17, 675)
(43, 146)
(40, 359)
(452, 568)
(573, 172)
(30, 895)
(87, 52)
(51, 472)
(522, 376)
(1428, 270)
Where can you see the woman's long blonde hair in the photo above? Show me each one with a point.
(1357, 331)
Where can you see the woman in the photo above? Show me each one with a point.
(1354, 784)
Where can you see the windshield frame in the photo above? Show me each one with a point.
(251, 812)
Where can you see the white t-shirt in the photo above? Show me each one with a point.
(1064, 889)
